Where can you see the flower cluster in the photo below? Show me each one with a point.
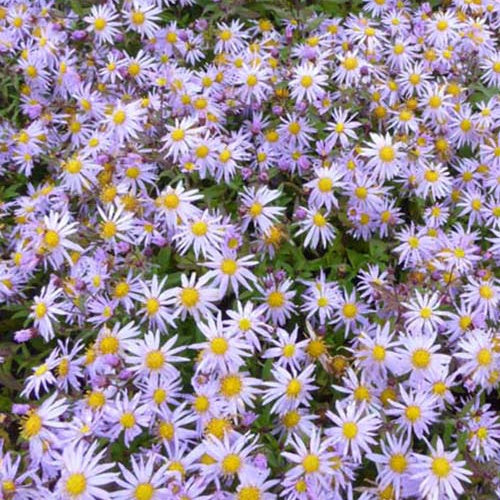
(250, 260)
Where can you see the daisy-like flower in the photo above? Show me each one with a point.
(54, 239)
(483, 294)
(204, 234)
(126, 121)
(142, 16)
(320, 298)
(230, 38)
(491, 69)
(149, 359)
(375, 353)
(342, 127)
(323, 185)
(227, 269)
(278, 305)
(415, 246)
(222, 351)
(248, 321)
(238, 391)
(83, 475)
(79, 173)
(319, 230)
(423, 314)
(395, 463)
(40, 425)
(350, 311)
(478, 355)
(181, 137)
(253, 81)
(415, 413)
(311, 461)
(440, 474)
(354, 430)
(116, 225)
(289, 351)
(154, 302)
(384, 156)
(175, 204)
(45, 310)
(230, 459)
(193, 297)
(308, 82)
(433, 179)
(125, 415)
(254, 202)
(142, 481)
(289, 389)
(419, 356)
(103, 23)
(349, 68)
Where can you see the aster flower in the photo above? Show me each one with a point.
(83, 474)
(440, 473)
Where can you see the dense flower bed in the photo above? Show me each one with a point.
(249, 259)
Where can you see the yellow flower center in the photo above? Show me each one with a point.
(293, 389)
(137, 17)
(51, 238)
(350, 430)
(229, 266)
(398, 463)
(310, 463)
(159, 396)
(108, 229)
(350, 63)
(484, 357)
(421, 358)
(155, 360)
(76, 484)
(189, 297)
(291, 419)
(144, 491)
(166, 430)
(152, 306)
(119, 117)
(486, 292)
(255, 210)
(121, 290)
(316, 348)
(441, 467)
(230, 386)
(306, 81)
(319, 220)
(276, 299)
(73, 166)
(289, 350)
(349, 310)
(171, 201)
(378, 353)
(201, 404)
(32, 426)
(413, 413)
(219, 346)
(41, 370)
(40, 310)
(100, 24)
(96, 399)
(199, 228)
(127, 420)
(387, 154)
(413, 241)
(231, 464)
(249, 493)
